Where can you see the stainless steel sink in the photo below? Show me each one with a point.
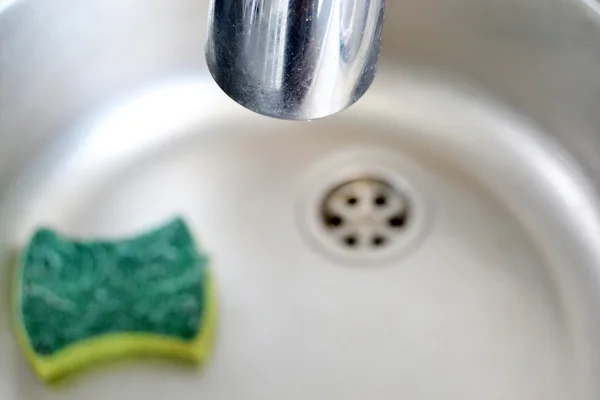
(440, 239)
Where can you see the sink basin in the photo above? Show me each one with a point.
(437, 240)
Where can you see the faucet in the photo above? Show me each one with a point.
(294, 59)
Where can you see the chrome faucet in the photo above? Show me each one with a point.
(294, 59)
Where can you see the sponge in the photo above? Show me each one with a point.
(79, 303)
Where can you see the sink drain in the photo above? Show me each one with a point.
(363, 208)
(365, 214)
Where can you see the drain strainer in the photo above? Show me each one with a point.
(363, 208)
(365, 214)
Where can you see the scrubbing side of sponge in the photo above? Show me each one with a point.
(79, 303)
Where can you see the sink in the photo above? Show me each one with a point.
(437, 240)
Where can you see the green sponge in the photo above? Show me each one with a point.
(78, 303)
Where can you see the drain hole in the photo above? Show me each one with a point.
(352, 201)
(335, 221)
(365, 215)
(398, 221)
(379, 241)
(381, 200)
(351, 241)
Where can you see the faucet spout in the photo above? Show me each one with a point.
(294, 59)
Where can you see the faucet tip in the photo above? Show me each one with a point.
(294, 59)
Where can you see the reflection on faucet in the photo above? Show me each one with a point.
(294, 59)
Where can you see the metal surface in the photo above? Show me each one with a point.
(294, 59)
(483, 112)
